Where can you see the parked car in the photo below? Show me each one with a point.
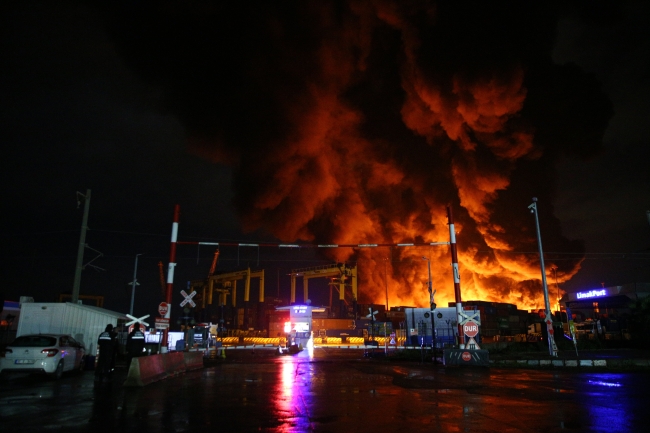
(51, 354)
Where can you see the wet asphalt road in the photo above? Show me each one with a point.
(332, 391)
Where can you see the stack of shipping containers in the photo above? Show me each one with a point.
(499, 319)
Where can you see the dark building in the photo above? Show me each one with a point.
(606, 306)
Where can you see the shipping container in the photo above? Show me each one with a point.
(489, 332)
(418, 325)
(333, 324)
(396, 316)
(276, 329)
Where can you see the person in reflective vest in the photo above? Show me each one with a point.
(134, 345)
(107, 349)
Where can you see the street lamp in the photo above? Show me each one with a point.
(433, 307)
(82, 246)
(134, 283)
(549, 324)
(386, 279)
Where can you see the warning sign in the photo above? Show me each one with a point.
(188, 299)
(162, 323)
(472, 344)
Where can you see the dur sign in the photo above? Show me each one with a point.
(470, 329)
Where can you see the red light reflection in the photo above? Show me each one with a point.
(292, 405)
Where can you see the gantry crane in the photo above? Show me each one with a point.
(342, 275)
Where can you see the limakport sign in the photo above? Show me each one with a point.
(592, 294)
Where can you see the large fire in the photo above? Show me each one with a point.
(359, 122)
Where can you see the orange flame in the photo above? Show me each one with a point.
(370, 154)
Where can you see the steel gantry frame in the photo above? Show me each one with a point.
(340, 270)
(220, 283)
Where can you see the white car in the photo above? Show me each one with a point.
(51, 354)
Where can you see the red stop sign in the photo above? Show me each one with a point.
(466, 356)
(162, 309)
(470, 329)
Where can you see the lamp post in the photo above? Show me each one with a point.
(552, 348)
(82, 245)
(134, 283)
(433, 307)
(386, 279)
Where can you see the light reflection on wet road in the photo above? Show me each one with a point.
(334, 391)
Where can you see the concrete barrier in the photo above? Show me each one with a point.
(145, 370)
(193, 360)
(174, 363)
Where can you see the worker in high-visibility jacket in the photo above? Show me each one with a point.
(107, 350)
(134, 345)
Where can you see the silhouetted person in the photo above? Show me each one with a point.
(107, 345)
(134, 345)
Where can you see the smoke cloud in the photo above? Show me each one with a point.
(360, 121)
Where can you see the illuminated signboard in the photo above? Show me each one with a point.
(300, 311)
(297, 326)
(591, 294)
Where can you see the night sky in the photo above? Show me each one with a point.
(325, 122)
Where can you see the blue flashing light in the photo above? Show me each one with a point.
(603, 383)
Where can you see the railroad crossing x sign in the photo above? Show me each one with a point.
(372, 314)
(188, 298)
(470, 315)
(137, 320)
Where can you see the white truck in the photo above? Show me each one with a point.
(83, 322)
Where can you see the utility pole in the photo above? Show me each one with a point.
(82, 245)
(552, 348)
(386, 279)
(134, 283)
(433, 307)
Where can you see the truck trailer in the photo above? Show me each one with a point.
(83, 322)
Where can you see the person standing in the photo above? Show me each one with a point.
(107, 346)
(134, 345)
